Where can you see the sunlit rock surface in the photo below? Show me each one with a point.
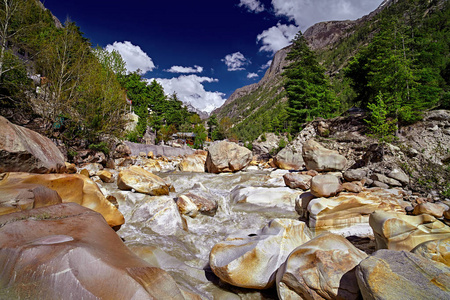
(396, 231)
(319, 158)
(297, 181)
(325, 185)
(289, 158)
(71, 188)
(193, 163)
(391, 274)
(227, 157)
(142, 181)
(69, 252)
(23, 150)
(250, 259)
(348, 213)
(437, 250)
(322, 268)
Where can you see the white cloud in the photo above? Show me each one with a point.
(266, 65)
(277, 37)
(133, 56)
(252, 5)
(308, 12)
(235, 61)
(180, 69)
(190, 89)
(252, 75)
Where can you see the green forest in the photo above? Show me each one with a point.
(401, 56)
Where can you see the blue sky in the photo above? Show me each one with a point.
(201, 49)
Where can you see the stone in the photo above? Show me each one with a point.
(324, 185)
(384, 179)
(150, 155)
(186, 206)
(227, 157)
(355, 174)
(106, 176)
(70, 168)
(391, 274)
(437, 250)
(193, 163)
(353, 187)
(399, 175)
(319, 158)
(142, 154)
(250, 260)
(297, 180)
(278, 200)
(302, 202)
(152, 165)
(348, 213)
(447, 214)
(397, 231)
(266, 145)
(142, 181)
(23, 150)
(289, 158)
(93, 168)
(379, 184)
(433, 209)
(322, 268)
(69, 252)
(84, 173)
(74, 188)
(122, 151)
(203, 201)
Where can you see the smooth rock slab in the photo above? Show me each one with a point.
(397, 231)
(251, 260)
(402, 275)
(69, 252)
(74, 188)
(437, 250)
(322, 268)
(142, 181)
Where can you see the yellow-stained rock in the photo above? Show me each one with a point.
(70, 168)
(142, 181)
(437, 250)
(84, 173)
(71, 188)
(105, 176)
(396, 231)
(430, 209)
(193, 163)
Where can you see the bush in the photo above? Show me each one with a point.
(102, 146)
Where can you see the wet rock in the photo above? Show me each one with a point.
(152, 165)
(297, 180)
(437, 250)
(324, 185)
(396, 231)
(71, 188)
(433, 209)
(106, 176)
(67, 251)
(203, 201)
(193, 163)
(319, 158)
(355, 174)
(323, 268)
(142, 181)
(186, 206)
(391, 274)
(348, 214)
(23, 150)
(227, 157)
(251, 260)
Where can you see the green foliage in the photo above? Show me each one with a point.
(379, 125)
(102, 146)
(200, 136)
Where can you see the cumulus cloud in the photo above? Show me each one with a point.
(252, 5)
(308, 12)
(266, 65)
(190, 89)
(252, 75)
(180, 69)
(133, 56)
(235, 61)
(276, 37)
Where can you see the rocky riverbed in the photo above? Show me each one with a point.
(219, 224)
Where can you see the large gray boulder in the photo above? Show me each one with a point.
(319, 158)
(389, 274)
(227, 157)
(23, 150)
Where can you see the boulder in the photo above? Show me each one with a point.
(68, 252)
(325, 185)
(353, 187)
(266, 143)
(397, 231)
(437, 250)
(203, 201)
(399, 175)
(227, 157)
(297, 180)
(391, 274)
(106, 176)
(319, 158)
(71, 188)
(250, 260)
(384, 179)
(152, 165)
(93, 168)
(433, 209)
(193, 163)
(186, 206)
(142, 181)
(289, 158)
(323, 268)
(23, 150)
(355, 174)
(71, 168)
(348, 213)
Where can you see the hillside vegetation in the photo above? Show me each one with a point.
(399, 54)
